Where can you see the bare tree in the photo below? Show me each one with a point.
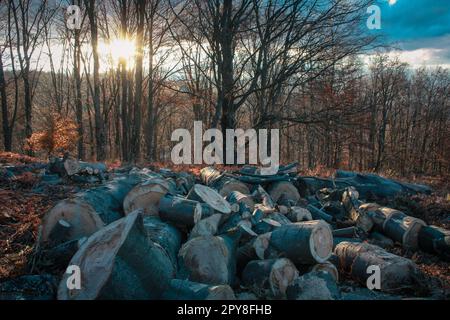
(100, 138)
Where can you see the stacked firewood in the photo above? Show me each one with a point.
(227, 235)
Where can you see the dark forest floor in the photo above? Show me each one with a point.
(21, 211)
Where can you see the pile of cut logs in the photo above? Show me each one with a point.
(56, 171)
(232, 235)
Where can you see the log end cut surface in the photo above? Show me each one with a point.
(146, 196)
(321, 242)
(212, 198)
(82, 218)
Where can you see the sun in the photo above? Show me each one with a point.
(392, 2)
(122, 49)
(118, 50)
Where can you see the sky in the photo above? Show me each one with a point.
(420, 28)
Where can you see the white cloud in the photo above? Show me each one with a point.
(424, 57)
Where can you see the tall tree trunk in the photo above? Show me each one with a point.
(124, 108)
(228, 119)
(136, 150)
(150, 101)
(27, 105)
(78, 102)
(7, 134)
(99, 125)
(125, 84)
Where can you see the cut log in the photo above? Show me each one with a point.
(230, 223)
(318, 214)
(208, 259)
(185, 182)
(313, 286)
(96, 168)
(254, 249)
(266, 225)
(390, 186)
(206, 227)
(119, 262)
(381, 240)
(207, 195)
(263, 197)
(244, 255)
(164, 234)
(207, 210)
(298, 214)
(283, 209)
(402, 228)
(272, 221)
(68, 166)
(60, 233)
(278, 217)
(269, 278)
(146, 196)
(350, 232)
(58, 257)
(395, 224)
(353, 207)
(284, 190)
(244, 201)
(327, 267)
(330, 195)
(262, 247)
(336, 209)
(90, 210)
(188, 290)
(308, 242)
(56, 165)
(248, 296)
(226, 184)
(435, 240)
(367, 185)
(253, 171)
(209, 175)
(223, 183)
(396, 272)
(257, 216)
(180, 211)
(337, 240)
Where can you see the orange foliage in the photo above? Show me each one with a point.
(60, 136)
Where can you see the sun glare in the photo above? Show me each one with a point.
(118, 50)
(392, 2)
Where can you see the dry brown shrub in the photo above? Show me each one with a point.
(60, 136)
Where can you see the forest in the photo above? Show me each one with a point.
(92, 92)
(117, 87)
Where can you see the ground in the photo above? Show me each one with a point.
(21, 212)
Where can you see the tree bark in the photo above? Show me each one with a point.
(100, 138)
(7, 132)
(136, 143)
(78, 102)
